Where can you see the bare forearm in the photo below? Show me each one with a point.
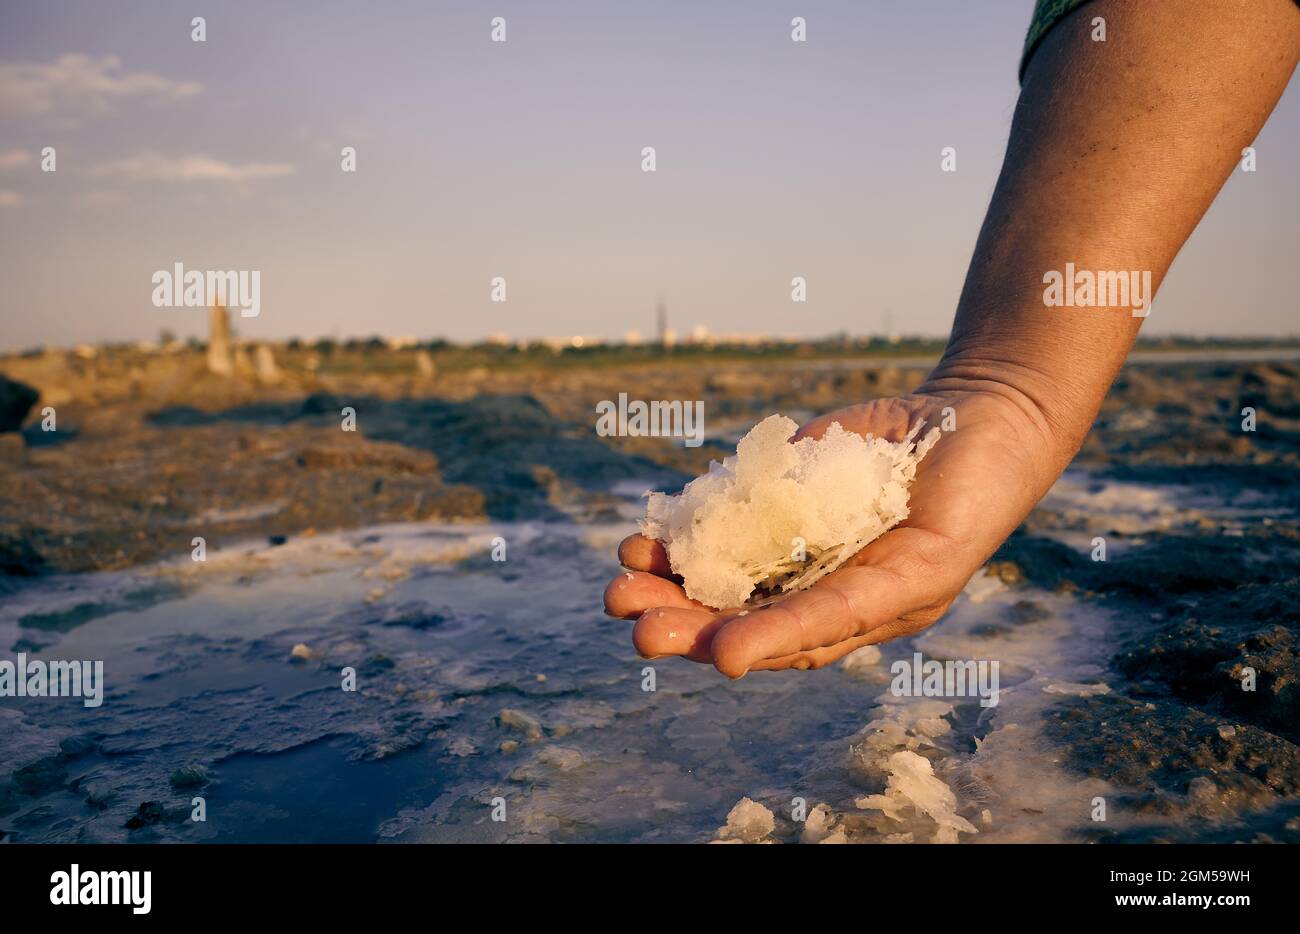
(1117, 149)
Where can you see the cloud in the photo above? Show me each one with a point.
(10, 198)
(81, 83)
(13, 159)
(153, 166)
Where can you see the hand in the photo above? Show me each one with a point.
(971, 491)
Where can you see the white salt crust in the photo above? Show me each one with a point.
(777, 517)
(747, 822)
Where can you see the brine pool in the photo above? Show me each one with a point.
(494, 702)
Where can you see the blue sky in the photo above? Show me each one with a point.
(522, 159)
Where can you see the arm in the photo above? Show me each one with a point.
(1117, 149)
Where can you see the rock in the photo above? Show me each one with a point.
(41, 777)
(424, 364)
(320, 403)
(529, 725)
(13, 449)
(190, 776)
(563, 758)
(16, 400)
(1155, 750)
(98, 794)
(1006, 571)
(150, 812)
(345, 454)
(268, 373)
(243, 362)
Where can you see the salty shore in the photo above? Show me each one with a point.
(485, 679)
(152, 450)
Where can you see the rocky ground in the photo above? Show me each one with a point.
(151, 450)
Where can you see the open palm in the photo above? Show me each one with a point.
(971, 491)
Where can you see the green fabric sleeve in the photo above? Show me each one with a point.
(1047, 13)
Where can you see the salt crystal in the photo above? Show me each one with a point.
(865, 658)
(912, 782)
(777, 517)
(1077, 690)
(818, 825)
(747, 822)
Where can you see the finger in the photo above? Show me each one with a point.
(674, 631)
(849, 603)
(890, 419)
(819, 425)
(639, 553)
(826, 655)
(631, 594)
(820, 658)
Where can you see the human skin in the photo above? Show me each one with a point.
(1117, 149)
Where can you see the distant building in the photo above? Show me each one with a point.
(752, 339)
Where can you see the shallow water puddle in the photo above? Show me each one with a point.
(486, 685)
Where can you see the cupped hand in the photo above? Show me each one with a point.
(993, 462)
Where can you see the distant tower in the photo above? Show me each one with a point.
(890, 334)
(219, 361)
(661, 321)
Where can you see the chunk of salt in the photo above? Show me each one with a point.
(747, 822)
(776, 517)
(912, 782)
